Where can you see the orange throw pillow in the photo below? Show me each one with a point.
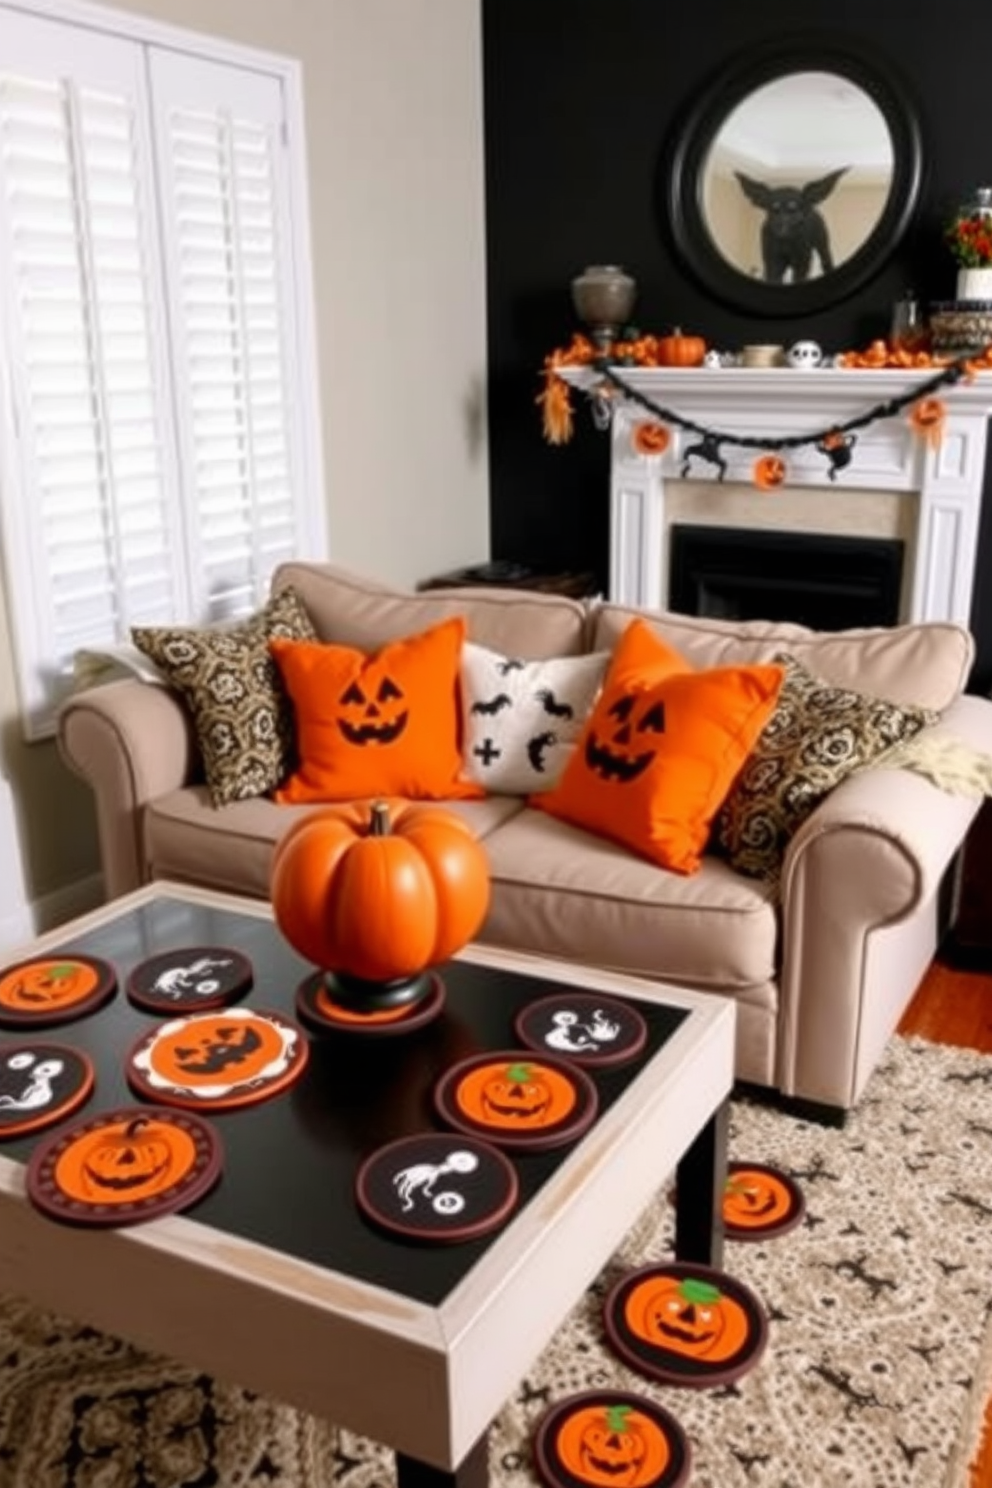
(386, 724)
(662, 748)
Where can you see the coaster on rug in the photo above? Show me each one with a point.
(320, 1011)
(54, 989)
(190, 979)
(583, 1027)
(124, 1166)
(685, 1324)
(517, 1100)
(604, 1437)
(434, 1186)
(760, 1201)
(218, 1060)
(40, 1084)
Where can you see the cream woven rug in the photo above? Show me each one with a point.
(877, 1368)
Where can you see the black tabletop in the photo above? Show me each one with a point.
(290, 1162)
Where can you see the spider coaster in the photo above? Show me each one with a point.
(760, 1202)
(317, 1008)
(517, 1100)
(685, 1324)
(435, 1186)
(218, 1060)
(125, 1166)
(54, 989)
(191, 979)
(583, 1027)
(611, 1437)
(40, 1083)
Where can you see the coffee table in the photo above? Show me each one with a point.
(277, 1282)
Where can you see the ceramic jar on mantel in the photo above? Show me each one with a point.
(603, 296)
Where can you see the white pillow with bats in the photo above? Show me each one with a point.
(521, 719)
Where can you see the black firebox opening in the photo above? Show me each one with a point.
(825, 582)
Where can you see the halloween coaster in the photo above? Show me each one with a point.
(218, 1060)
(760, 1202)
(517, 1100)
(125, 1166)
(191, 979)
(54, 989)
(611, 1437)
(684, 1324)
(316, 1007)
(583, 1027)
(40, 1084)
(437, 1186)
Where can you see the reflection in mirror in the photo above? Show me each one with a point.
(797, 178)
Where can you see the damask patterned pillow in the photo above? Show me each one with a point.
(241, 713)
(817, 736)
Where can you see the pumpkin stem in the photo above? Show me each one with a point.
(133, 1127)
(518, 1074)
(379, 820)
(616, 1418)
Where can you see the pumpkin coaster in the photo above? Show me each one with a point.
(610, 1437)
(435, 1186)
(583, 1027)
(218, 1060)
(760, 1202)
(190, 979)
(685, 1324)
(517, 1100)
(316, 1007)
(125, 1166)
(54, 989)
(40, 1084)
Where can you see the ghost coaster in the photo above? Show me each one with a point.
(125, 1166)
(54, 989)
(218, 1061)
(40, 1083)
(437, 1186)
(582, 1027)
(191, 979)
(760, 1202)
(319, 1010)
(684, 1324)
(611, 1436)
(517, 1099)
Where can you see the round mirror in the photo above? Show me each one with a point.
(792, 181)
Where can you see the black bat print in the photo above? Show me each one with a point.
(536, 748)
(509, 665)
(550, 704)
(501, 700)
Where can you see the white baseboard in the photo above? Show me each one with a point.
(18, 928)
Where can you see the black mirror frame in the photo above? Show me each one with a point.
(682, 161)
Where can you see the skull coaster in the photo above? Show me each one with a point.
(190, 979)
(611, 1437)
(438, 1187)
(517, 1099)
(583, 1027)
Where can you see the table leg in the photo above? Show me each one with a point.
(700, 1180)
(472, 1472)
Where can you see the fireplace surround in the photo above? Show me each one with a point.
(928, 496)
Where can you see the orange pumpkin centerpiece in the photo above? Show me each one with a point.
(376, 895)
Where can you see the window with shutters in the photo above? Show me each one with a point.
(160, 433)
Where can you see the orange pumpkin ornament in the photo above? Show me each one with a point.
(379, 892)
(689, 1316)
(927, 419)
(612, 1444)
(679, 350)
(769, 472)
(650, 438)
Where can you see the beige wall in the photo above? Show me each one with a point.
(393, 101)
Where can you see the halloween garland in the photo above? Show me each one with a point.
(652, 436)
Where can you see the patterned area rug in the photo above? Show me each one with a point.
(879, 1361)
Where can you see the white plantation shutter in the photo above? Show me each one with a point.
(155, 471)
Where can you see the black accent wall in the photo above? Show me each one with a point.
(581, 97)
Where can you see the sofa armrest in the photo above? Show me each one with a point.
(871, 855)
(131, 742)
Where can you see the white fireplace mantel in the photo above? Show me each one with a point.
(887, 456)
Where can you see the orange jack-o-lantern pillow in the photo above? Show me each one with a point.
(385, 724)
(662, 748)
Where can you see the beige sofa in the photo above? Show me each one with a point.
(820, 976)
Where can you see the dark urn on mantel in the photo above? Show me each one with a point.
(604, 296)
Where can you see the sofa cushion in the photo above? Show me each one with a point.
(927, 664)
(661, 749)
(386, 724)
(355, 611)
(521, 719)
(239, 708)
(816, 737)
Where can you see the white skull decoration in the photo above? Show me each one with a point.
(804, 355)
